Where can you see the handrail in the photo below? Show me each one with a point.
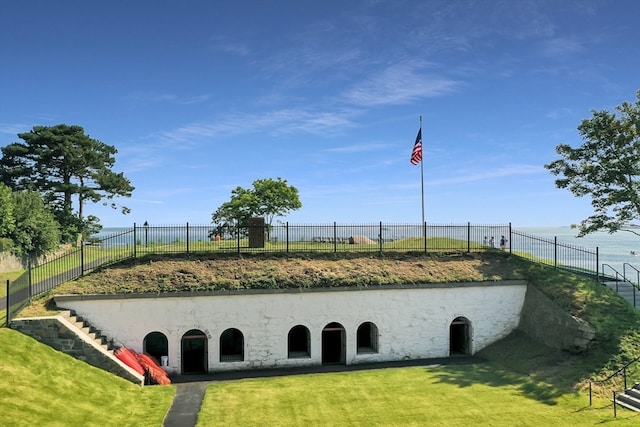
(618, 277)
(610, 377)
(636, 284)
(622, 278)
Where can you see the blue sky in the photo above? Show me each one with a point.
(202, 96)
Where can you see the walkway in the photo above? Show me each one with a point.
(191, 388)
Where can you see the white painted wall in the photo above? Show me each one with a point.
(412, 323)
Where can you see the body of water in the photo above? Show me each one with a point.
(614, 249)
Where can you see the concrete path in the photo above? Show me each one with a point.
(191, 388)
(186, 404)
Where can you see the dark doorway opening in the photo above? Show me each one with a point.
(333, 344)
(460, 337)
(231, 346)
(194, 352)
(155, 344)
(367, 338)
(298, 342)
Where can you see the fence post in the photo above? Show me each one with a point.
(424, 234)
(238, 239)
(597, 265)
(468, 236)
(8, 317)
(81, 257)
(286, 233)
(380, 237)
(30, 271)
(510, 240)
(187, 237)
(555, 251)
(335, 238)
(135, 242)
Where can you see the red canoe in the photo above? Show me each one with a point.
(155, 371)
(128, 357)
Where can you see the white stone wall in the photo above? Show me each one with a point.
(413, 323)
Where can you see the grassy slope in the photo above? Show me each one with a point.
(617, 339)
(43, 387)
(542, 372)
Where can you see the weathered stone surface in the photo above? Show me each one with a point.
(545, 321)
(413, 321)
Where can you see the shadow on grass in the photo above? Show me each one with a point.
(487, 374)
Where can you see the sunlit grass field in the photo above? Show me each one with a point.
(40, 386)
(522, 383)
(456, 395)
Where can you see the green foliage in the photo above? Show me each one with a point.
(268, 198)
(36, 231)
(7, 221)
(605, 167)
(64, 164)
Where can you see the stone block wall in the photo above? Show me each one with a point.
(545, 321)
(63, 336)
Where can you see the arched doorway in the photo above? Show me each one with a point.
(231, 346)
(367, 337)
(155, 344)
(194, 352)
(460, 337)
(298, 342)
(334, 344)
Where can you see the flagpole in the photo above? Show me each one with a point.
(422, 171)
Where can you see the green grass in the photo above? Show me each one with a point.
(456, 395)
(43, 387)
(10, 276)
(522, 382)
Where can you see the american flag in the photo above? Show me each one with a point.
(416, 154)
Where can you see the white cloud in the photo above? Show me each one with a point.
(399, 84)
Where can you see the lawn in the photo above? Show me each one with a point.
(521, 383)
(43, 387)
(450, 395)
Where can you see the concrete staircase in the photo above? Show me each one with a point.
(626, 290)
(630, 398)
(87, 329)
(70, 334)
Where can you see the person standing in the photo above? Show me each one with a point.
(492, 242)
(503, 243)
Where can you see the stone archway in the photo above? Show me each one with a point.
(334, 348)
(298, 342)
(367, 338)
(460, 337)
(156, 345)
(193, 351)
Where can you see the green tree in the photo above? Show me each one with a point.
(7, 220)
(268, 198)
(64, 165)
(36, 230)
(605, 167)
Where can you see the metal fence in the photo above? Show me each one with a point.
(144, 240)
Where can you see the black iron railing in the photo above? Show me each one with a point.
(284, 237)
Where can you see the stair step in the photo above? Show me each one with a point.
(633, 392)
(628, 402)
(89, 330)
